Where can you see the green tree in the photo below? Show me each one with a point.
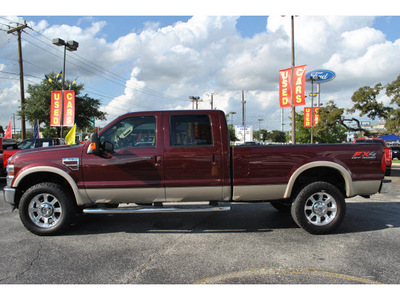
(366, 102)
(37, 105)
(257, 135)
(232, 135)
(276, 136)
(303, 134)
(393, 121)
(329, 129)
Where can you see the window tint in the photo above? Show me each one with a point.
(191, 130)
(132, 132)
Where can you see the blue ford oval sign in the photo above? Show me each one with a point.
(320, 76)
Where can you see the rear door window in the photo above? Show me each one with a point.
(191, 130)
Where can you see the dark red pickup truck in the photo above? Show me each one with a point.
(172, 161)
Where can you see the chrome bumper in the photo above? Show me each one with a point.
(9, 195)
(385, 186)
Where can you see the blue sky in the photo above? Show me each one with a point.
(390, 25)
(121, 25)
(162, 60)
(246, 25)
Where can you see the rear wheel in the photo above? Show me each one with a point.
(46, 209)
(319, 208)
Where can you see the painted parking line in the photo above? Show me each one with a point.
(282, 271)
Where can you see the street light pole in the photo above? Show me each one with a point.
(71, 46)
(293, 107)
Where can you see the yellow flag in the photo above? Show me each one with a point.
(70, 137)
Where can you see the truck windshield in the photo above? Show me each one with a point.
(27, 144)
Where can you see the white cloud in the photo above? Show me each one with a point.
(206, 54)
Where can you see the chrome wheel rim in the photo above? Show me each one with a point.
(320, 209)
(45, 210)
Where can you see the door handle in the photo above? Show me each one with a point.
(216, 160)
(158, 160)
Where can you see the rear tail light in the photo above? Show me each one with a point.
(383, 163)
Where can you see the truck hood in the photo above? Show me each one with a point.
(47, 151)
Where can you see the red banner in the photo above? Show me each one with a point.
(55, 108)
(284, 88)
(307, 116)
(69, 108)
(299, 82)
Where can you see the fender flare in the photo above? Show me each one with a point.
(80, 196)
(327, 164)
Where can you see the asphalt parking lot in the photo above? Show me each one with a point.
(251, 244)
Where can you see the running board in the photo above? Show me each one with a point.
(141, 209)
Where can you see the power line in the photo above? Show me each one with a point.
(108, 75)
(92, 68)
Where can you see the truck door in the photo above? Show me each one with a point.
(192, 157)
(134, 172)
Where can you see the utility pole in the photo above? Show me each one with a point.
(212, 99)
(243, 117)
(293, 107)
(259, 123)
(195, 100)
(18, 29)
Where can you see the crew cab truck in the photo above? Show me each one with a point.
(156, 161)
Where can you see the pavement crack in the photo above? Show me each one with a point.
(31, 263)
(27, 269)
(132, 278)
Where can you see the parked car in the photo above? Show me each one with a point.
(395, 152)
(32, 144)
(5, 144)
(388, 151)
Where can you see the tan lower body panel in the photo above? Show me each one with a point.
(258, 192)
(150, 195)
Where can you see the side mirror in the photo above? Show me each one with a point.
(94, 147)
(107, 147)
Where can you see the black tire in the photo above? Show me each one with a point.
(46, 209)
(388, 171)
(319, 208)
(282, 205)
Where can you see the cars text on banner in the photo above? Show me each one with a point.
(285, 86)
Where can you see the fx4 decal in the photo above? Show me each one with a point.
(364, 155)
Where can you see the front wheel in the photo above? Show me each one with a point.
(319, 208)
(46, 209)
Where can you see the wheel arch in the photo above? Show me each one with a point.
(320, 171)
(34, 175)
